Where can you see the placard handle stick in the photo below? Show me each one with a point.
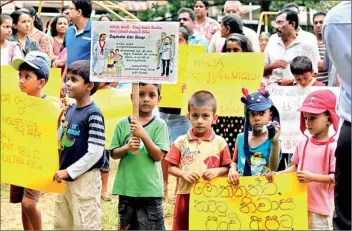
(135, 105)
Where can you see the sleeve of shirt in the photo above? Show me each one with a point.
(44, 44)
(332, 161)
(115, 141)
(211, 47)
(315, 57)
(174, 155)
(96, 144)
(17, 52)
(225, 157)
(161, 137)
(295, 157)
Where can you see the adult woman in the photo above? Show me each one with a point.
(106, 18)
(58, 29)
(263, 40)
(20, 30)
(230, 126)
(36, 32)
(204, 25)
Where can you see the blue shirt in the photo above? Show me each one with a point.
(259, 159)
(337, 38)
(196, 39)
(78, 44)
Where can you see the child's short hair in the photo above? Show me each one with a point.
(158, 86)
(301, 65)
(202, 98)
(82, 68)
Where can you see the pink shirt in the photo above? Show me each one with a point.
(208, 29)
(320, 196)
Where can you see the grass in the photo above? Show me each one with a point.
(11, 213)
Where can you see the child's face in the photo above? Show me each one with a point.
(201, 118)
(76, 88)
(29, 83)
(257, 120)
(148, 98)
(181, 39)
(304, 79)
(6, 29)
(233, 47)
(316, 123)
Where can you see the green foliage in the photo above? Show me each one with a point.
(312, 4)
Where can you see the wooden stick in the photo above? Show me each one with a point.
(135, 103)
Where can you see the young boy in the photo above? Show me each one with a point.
(138, 180)
(82, 146)
(33, 75)
(314, 158)
(199, 153)
(302, 69)
(257, 150)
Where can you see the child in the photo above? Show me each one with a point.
(314, 158)
(111, 60)
(159, 44)
(166, 55)
(302, 69)
(33, 75)
(138, 180)
(118, 62)
(9, 50)
(257, 149)
(237, 43)
(81, 155)
(199, 153)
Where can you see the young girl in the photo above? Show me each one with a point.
(20, 30)
(237, 43)
(257, 149)
(230, 126)
(111, 60)
(36, 32)
(9, 50)
(33, 75)
(314, 158)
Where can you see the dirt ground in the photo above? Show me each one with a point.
(11, 213)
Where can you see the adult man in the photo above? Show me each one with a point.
(217, 42)
(78, 36)
(100, 54)
(186, 17)
(287, 45)
(337, 38)
(318, 20)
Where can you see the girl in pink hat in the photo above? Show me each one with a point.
(314, 158)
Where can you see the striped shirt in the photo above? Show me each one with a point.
(82, 140)
(322, 76)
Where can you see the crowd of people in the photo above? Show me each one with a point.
(201, 144)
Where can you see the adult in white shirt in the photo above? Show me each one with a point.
(217, 42)
(287, 45)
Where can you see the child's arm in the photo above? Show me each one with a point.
(307, 176)
(212, 173)
(275, 148)
(190, 177)
(153, 150)
(234, 177)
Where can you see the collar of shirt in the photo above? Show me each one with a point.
(298, 40)
(210, 135)
(86, 28)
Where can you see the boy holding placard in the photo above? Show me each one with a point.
(139, 181)
(302, 69)
(199, 153)
(81, 155)
(33, 75)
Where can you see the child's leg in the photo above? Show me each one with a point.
(104, 172)
(62, 213)
(181, 212)
(31, 216)
(127, 213)
(85, 201)
(318, 222)
(150, 214)
(164, 167)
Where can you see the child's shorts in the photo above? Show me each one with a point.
(318, 222)
(141, 213)
(17, 193)
(106, 165)
(78, 207)
(181, 212)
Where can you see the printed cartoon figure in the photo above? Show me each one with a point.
(100, 52)
(159, 44)
(166, 55)
(65, 140)
(259, 164)
(111, 60)
(118, 61)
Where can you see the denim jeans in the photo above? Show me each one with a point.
(141, 213)
(178, 125)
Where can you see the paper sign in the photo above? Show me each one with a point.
(134, 52)
(287, 100)
(52, 87)
(29, 150)
(254, 205)
(172, 94)
(224, 75)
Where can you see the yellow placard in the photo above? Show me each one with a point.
(52, 88)
(254, 205)
(224, 75)
(114, 104)
(171, 93)
(29, 151)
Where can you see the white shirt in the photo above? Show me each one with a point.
(5, 53)
(304, 45)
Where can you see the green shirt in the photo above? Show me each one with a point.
(138, 175)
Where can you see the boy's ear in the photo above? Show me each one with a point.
(188, 116)
(90, 86)
(159, 99)
(42, 83)
(215, 118)
(131, 97)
